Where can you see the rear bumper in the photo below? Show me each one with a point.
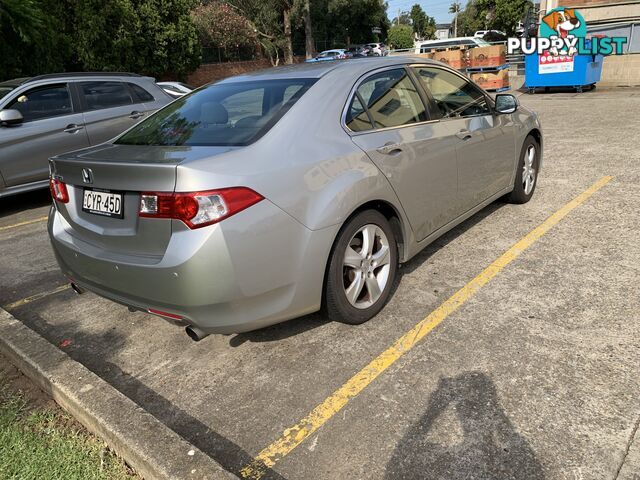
(254, 269)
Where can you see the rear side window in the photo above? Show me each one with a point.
(100, 95)
(43, 102)
(357, 118)
(233, 114)
(391, 99)
(141, 94)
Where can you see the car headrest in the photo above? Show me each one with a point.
(213, 113)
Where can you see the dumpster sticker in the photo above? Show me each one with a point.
(563, 33)
(548, 63)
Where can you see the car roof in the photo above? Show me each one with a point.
(68, 75)
(355, 67)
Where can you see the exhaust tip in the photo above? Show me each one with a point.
(195, 333)
(77, 289)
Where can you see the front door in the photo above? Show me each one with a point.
(391, 124)
(485, 146)
(50, 127)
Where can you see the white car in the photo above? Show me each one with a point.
(175, 89)
(482, 33)
(462, 42)
(378, 49)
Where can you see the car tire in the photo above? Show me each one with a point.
(362, 269)
(528, 168)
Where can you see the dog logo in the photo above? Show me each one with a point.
(87, 175)
(562, 21)
(566, 24)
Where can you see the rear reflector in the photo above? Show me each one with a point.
(164, 314)
(198, 209)
(58, 190)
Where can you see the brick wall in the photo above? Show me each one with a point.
(210, 72)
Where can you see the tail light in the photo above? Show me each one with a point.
(58, 190)
(198, 209)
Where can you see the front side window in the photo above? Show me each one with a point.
(453, 95)
(43, 102)
(100, 95)
(391, 99)
(227, 114)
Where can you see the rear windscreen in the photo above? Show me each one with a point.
(230, 114)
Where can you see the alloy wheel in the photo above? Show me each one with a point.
(528, 170)
(366, 266)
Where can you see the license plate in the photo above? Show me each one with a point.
(101, 202)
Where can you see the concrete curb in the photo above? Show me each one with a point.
(150, 447)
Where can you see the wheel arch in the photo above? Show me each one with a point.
(391, 213)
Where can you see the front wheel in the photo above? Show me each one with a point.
(527, 173)
(362, 269)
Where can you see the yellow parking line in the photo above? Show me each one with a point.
(35, 297)
(296, 434)
(27, 222)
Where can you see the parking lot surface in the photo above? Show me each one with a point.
(535, 375)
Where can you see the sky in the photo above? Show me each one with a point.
(439, 9)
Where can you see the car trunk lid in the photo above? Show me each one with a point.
(127, 170)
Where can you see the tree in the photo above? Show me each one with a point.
(220, 25)
(501, 15)
(423, 25)
(309, 44)
(455, 9)
(400, 36)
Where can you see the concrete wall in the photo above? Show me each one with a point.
(621, 70)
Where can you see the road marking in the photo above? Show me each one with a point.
(35, 297)
(28, 222)
(296, 434)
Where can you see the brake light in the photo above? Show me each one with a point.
(58, 190)
(198, 209)
(164, 314)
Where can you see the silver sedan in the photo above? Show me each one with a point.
(271, 195)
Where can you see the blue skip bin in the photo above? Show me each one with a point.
(547, 70)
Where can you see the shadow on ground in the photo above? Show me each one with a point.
(24, 201)
(464, 434)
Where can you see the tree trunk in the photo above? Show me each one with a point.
(308, 32)
(288, 47)
(455, 26)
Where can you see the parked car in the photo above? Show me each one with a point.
(265, 196)
(176, 89)
(377, 49)
(482, 33)
(426, 46)
(336, 54)
(51, 114)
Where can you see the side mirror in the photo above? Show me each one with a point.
(506, 103)
(10, 117)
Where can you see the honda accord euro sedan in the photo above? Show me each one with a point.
(271, 195)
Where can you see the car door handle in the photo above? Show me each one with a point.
(72, 128)
(136, 114)
(464, 134)
(390, 149)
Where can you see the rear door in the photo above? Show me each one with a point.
(390, 122)
(485, 141)
(109, 109)
(51, 126)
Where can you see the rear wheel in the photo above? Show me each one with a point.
(362, 269)
(527, 173)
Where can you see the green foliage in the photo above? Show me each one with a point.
(501, 15)
(153, 37)
(48, 444)
(31, 41)
(423, 24)
(400, 36)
